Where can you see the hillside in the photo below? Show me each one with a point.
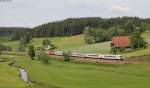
(76, 43)
(73, 43)
(63, 43)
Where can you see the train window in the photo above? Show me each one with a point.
(93, 55)
(78, 54)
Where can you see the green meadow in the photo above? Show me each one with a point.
(60, 74)
(9, 77)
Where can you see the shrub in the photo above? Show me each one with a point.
(42, 56)
(45, 59)
(39, 55)
(48, 45)
(121, 49)
(87, 37)
(114, 50)
(67, 56)
(96, 35)
(21, 49)
(90, 40)
(5, 48)
(137, 41)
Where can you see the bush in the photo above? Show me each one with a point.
(114, 50)
(67, 56)
(90, 40)
(87, 37)
(42, 56)
(21, 49)
(48, 45)
(5, 48)
(92, 35)
(121, 49)
(45, 59)
(137, 41)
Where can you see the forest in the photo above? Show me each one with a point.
(14, 33)
(75, 26)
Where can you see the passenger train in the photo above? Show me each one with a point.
(92, 56)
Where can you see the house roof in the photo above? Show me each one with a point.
(121, 41)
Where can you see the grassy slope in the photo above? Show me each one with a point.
(9, 77)
(73, 43)
(94, 48)
(76, 43)
(73, 75)
(64, 43)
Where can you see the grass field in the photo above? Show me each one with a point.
(76, 43)
(9, 77)
(94, 48)
(59, 74)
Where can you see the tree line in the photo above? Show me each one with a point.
(75, 26)
(14, 33)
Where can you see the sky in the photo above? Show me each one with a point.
(30, 13)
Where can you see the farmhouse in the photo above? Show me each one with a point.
(121, 42)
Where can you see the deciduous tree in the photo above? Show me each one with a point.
(31, 51)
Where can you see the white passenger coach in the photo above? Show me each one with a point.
(92, 56)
